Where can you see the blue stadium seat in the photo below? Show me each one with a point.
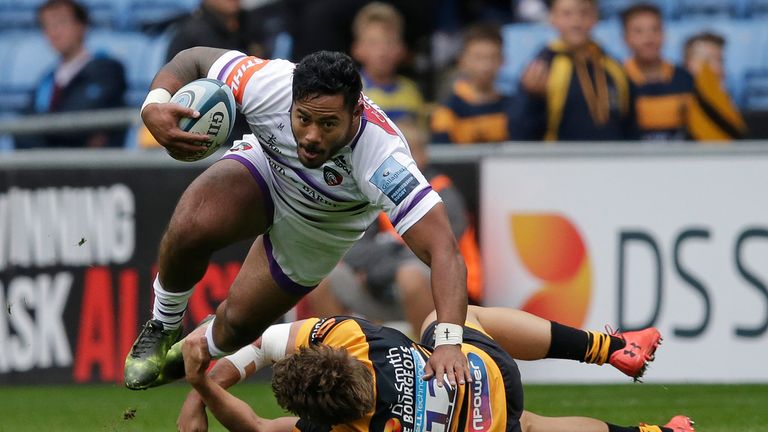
(751, 9)
(22, 14)
(521, 43)
(18, 14)
(22, 67)
(611, 9)
(756, 90)
(103, 13)
(142, 12)
(141, 55)
(705, 9)
(609, 35)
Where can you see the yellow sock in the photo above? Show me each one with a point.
(597, 353)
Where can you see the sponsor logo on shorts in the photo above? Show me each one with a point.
(394, 180)
(481, 416)
(243, 146)
(332, 177)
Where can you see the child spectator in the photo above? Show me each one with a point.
(573, 90)
(714, 117)
(475, 112)
(378, 46)
(664, 91)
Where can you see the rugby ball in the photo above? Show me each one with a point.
(216, 105)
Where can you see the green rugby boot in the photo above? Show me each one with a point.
(173, 367)
(145, 361)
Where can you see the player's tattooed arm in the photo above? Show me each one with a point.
(186, 66)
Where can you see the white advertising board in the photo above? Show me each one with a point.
(677, 242)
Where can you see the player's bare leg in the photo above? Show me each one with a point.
(528, 337)
(531, 422)
(223, 205)
(323, 301)
(254, 302)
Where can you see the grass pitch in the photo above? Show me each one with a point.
(715, 408)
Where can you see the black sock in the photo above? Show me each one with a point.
(568, 343)
(614, 428)
(572, 344)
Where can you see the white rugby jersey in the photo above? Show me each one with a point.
(374, 172)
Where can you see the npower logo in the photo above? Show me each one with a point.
(552, 251)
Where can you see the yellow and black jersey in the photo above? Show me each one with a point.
(588, 98)
(400, 100)
(463, 119)
(662, 106)
(714, 116)
(406, 403)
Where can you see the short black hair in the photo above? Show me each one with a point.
(78, 10)
(481, 31)
(637, 9)
(327, 73)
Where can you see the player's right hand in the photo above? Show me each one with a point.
(534, 79)
(192, 417)
(162, 121)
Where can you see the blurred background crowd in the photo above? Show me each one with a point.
(468, 71)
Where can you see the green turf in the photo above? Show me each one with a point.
(716, 408)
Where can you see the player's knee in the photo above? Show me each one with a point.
(241, 326)
(428, 320)
(528, 421)
(186, 232)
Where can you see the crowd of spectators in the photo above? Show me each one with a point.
(436, 62)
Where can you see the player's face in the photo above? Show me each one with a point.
(644, 36)
(480, 62)
(322, 125)
(574, 20)
(62, 29)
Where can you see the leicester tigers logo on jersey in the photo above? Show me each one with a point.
(332, 177)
